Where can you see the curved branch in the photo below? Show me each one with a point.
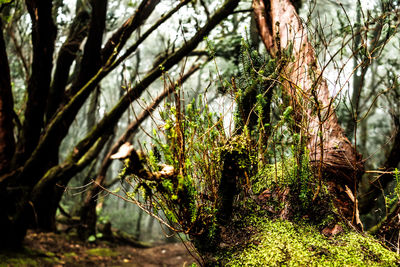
(119, 38)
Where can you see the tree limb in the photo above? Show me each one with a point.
(119, 38)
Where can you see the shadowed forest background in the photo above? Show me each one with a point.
(214, 123)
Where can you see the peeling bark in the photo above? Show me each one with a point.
(331, 153)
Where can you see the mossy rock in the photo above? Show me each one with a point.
(282, 242)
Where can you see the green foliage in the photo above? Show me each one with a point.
(5, 1)
(392, 198)
(93, 238)
(397, 179)
(253, 88)
(299, 179)
(191, 141)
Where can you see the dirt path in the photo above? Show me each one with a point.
(50, 249)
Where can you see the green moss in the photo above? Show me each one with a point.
(70, 255)
(283, 173)
(106, 252)
(27, 257)
(267, 176)
(50, 254)
(21, 262)
(287, 243)
(50, 261)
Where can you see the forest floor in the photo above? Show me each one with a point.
(53, 249)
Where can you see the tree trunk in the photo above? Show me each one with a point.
(331, 153)
(68, 51)
(45, 204)
(10, 234)
(7, 142)
(43, 37)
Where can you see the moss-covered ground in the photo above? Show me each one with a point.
(276, 242)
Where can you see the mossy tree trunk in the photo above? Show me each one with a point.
(331, 154)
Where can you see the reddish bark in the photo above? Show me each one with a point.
(331, 153)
